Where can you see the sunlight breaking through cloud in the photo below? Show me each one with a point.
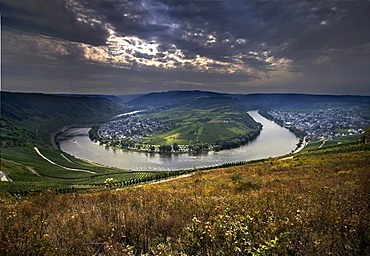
(307, 46)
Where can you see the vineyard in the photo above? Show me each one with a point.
(30, 173)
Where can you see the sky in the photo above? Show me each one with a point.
(141, 46)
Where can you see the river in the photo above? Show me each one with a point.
(272, 141)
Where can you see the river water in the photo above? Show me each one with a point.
(272, 141)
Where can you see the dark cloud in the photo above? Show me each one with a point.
(53, 18)
(246, 45)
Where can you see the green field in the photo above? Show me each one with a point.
(329, 143)
(205, 126)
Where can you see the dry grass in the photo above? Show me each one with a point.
(317, 205)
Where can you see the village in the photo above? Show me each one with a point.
(325, 123)
(133, 127)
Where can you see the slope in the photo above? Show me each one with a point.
(313, 204)
(28, 118)
(202, 99)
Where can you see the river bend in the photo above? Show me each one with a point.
(272, 141)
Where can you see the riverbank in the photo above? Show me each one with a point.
(300, 134)
(54, 135)
(193, 149)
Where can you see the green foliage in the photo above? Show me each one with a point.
(320, 144)
(313, 204)
(206, 100)
(165, 149)
(349, 147)
(365, 138)
(93, 133)
(29, 118)
(175, 146)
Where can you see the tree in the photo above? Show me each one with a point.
(175, 147)
(165, 149)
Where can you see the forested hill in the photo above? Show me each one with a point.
(301, 101)
(200, 99)
(27, 117)
(174, 98)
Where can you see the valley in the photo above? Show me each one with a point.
(272, 141)
(258, 198)
(184, 128)
(200, 130)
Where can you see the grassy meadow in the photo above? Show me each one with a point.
(316, 203)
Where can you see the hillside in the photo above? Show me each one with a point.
(312, 204)
(28, 160)
(175, 98)
(28, 117)
(204, 99)
(301, 101)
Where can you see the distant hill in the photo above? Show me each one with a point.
(171, 98)
(121, 99)
(201, 99)
(126, 98)
(25, 117)
(300, 101)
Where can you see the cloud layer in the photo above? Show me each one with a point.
(126, 46)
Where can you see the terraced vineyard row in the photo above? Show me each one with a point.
(31, 173)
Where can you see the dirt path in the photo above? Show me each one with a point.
(323, 143)
(161, 181)
(285, 158)
(67, 158)
(33, 171)
(171, 179)
(67, 168)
